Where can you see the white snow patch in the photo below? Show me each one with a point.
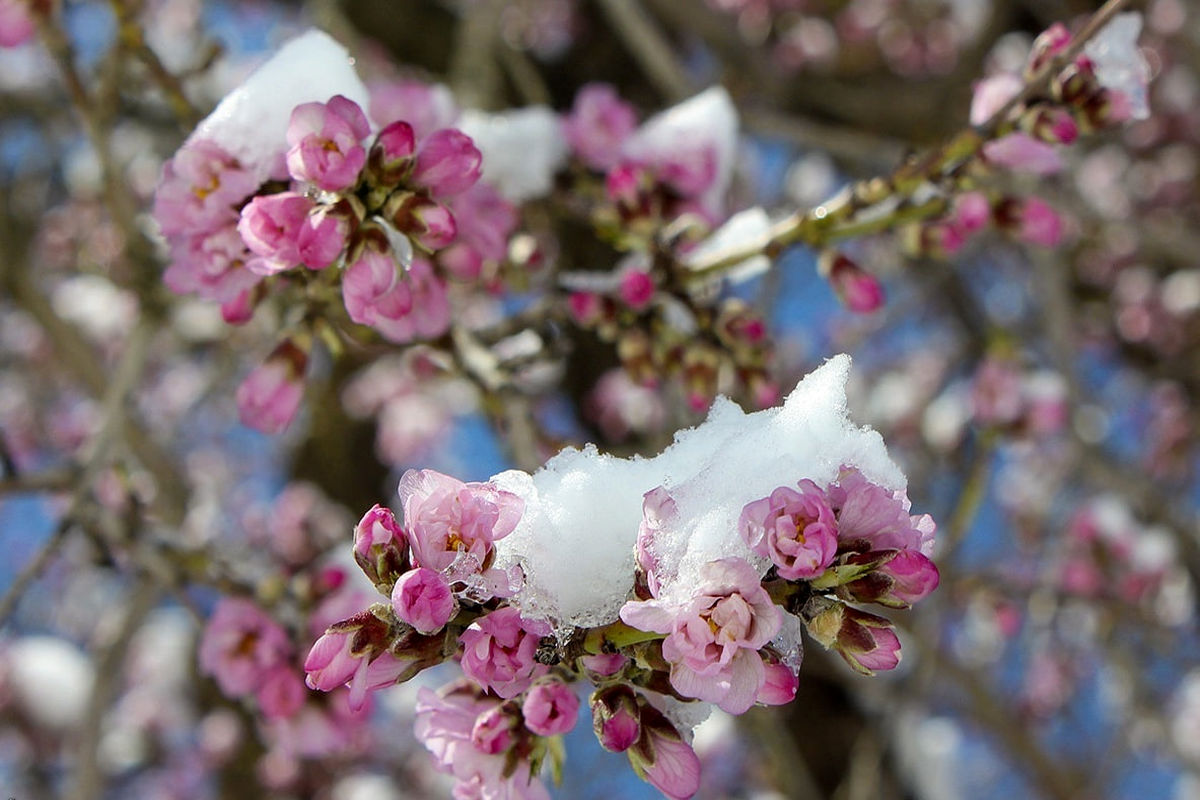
(1119, 63)
(251, 122)
(582, 509)
(746, 229)
(51, 680)
(521, 149)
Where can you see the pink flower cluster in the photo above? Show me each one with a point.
(715, 637)
(248, 654)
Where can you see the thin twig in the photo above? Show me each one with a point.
(649, 47)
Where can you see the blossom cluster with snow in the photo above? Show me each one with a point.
(693, 587)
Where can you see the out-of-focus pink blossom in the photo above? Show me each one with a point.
(996, 393)
(16, 23)
(211, 263)
(713, 638)
(324, 141)
(1046, 46)
(423, 599)
(494, 731)
(1035, 221)
(857, 289)
(972, 212)
(598, 125)
(425, 107)
(795, 529)
(241, 645)
(1023, 153)
(621, 407)
(269, 397)
(586, 307)
(270, 226)
(448, 163)
(636, 289)
(485, 220)
(280, 692)
(452, 524)
(991, 94)
(551, 708)
(200, 185)
(499, 650)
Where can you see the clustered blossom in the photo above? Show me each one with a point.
(715, 639)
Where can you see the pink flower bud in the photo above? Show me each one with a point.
(423, 599)
(1046, 46)
(858, 291)
(662, 757)
(914, 576)
(324, 141)
(448, 163)
(867, 642)
(992, 94)
(586, 308)
(1023, 153)
(780, 686)
(323, 236)
(380, 546)
(240, 309)
(626, 184)
(492, 732)
(636, 289)
(270, 226)
(551, 708)
(425, 107)
(972, 212)
(431, 224)
(616, 718)
(1032, 220)
(598, 125)
(392, 154)
(270, 395)
(499, 650)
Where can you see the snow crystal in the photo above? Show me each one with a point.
(1119, 63)
(251, 122)
(521, 149)
(583, 508)
(708, 120)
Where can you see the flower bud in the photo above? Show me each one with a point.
(1046, 46)
(392, 155)
(380, 546)
(493, 732)
(856, 289)
(615, 717)
(448, 163)
(423, 599)
(551, 708)
(270, 395)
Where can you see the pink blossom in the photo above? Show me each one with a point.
(448, 163)
(991, 95)
(356, 652)
(690, 170)
(241, 645)
(550, 708)
(867, 642)
(780, 685)
(877, 517)
(972, 212)
(380, 545)
(1022, 152)
(626, 184)
(270, 395)
(211, 263)
(604, 665)
(239, 309)
(494, 731)
(485, 221)
(199, 188)
(16, 23)
(713, 638)
(323, 236)
(796, 530)
(636, 289)
(425, 107)
(280, 692)
(658, 511)
(446, 725)
(423, 599)
(401, 306)
(1038, 223)
(324, 141)
(598, 125)
(858, 290)
(499, 650)
(1046, 46)
(270, 226)
(430, 224)
(452, 524)
(586, 308)
(331, 662)
(996, 393)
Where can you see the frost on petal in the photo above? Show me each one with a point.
(522, 149)
(583, 509)
(252, 121)
(1119, 64)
